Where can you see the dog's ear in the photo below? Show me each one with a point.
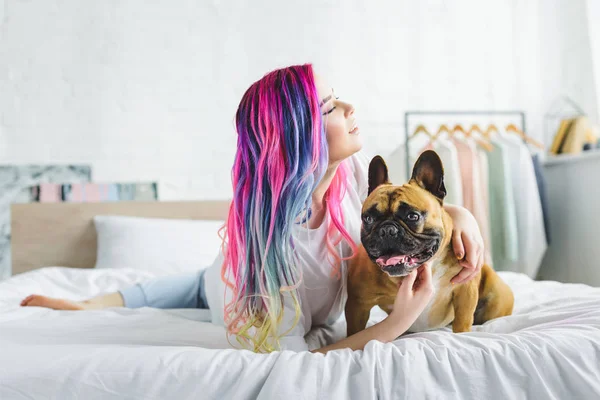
(378, 173)
(429, 174)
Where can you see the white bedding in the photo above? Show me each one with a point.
(550, 348)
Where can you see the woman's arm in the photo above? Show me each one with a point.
(413, 295)
(467, 243)
(385, 331)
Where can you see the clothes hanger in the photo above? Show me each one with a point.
(442, 129)
(491, 129)
(512, 128)
(458, 128)
(484, 144)
(421, 129)
(474, 128)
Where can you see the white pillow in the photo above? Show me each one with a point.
(161, 246)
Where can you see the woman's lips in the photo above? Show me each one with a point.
(354, 130)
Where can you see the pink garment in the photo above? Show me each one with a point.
(475, 196)
(468, 168)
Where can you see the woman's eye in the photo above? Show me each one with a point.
(368, 219)
(413, 216)
(329, 112)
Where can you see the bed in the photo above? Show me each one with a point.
(549, 348)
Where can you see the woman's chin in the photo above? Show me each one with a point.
(352, 149)
(359, 144)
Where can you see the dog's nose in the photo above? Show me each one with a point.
(389, 230)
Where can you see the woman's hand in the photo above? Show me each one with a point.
(467, 243)
(414, 294)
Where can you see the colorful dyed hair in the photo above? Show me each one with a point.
(282, 155)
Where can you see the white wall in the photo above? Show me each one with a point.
(567, 66)
(148, 90)
(593, 23)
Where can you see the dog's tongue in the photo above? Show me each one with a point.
(383, 261)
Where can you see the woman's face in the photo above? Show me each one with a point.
(343, 134)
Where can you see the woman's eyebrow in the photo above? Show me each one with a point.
(326, 99)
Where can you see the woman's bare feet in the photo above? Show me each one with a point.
(35, 300)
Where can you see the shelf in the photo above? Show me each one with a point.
(551, 160)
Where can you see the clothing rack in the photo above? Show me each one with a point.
(512, 202)
(518, 115)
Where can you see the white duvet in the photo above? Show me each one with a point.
(549, 348)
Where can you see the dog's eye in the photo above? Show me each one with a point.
(368, 219)
(413, 216)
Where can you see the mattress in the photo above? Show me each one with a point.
(549, 348)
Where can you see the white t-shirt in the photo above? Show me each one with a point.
(321, 295)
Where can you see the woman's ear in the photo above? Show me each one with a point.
(378, 173)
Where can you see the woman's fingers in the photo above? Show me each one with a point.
(481, 260)
(472, 251)
(462, 275)
(457, 244)
(425, 286)
(425, 274)
(468, 273)
(409, 281)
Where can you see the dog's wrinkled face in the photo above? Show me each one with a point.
(402, 226)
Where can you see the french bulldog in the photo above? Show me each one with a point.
(402, 228)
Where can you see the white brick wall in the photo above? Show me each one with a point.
(147, 90)
(593, 23)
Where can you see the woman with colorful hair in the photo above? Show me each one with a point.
(299, 180)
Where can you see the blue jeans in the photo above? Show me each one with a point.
(175, 291)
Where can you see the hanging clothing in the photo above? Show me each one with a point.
(528, 207)
(484, 223)
(466, 161)
(503, 217)
(396, 163)
(398, 175)
(472, 184)
(452, 177)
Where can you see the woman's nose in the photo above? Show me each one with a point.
(349, 110)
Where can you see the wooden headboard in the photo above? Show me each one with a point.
(63, 234)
